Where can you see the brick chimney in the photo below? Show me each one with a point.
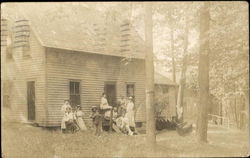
(22, 34)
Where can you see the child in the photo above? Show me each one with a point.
(97, 120)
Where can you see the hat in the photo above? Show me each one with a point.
(130, 98)
(94, 108)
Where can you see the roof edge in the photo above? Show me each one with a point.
(85, 51)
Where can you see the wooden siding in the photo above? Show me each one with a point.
(20, 70)
(92, 70)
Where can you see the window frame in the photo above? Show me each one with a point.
(74, 94)
(110, 83)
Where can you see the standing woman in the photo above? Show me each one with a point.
(105, 106)
(64, 108)
(130, 113)
(79, 119)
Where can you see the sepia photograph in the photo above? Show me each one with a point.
(125, 79)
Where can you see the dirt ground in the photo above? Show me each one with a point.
(20, 140)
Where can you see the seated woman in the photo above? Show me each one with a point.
(79, 120)
(69, 121)
(123, 123)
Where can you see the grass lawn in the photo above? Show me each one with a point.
(20, 140)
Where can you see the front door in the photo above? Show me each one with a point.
(31, 100)
(110, 91)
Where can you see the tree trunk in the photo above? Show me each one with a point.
(173, 56)
(183, 78)
(203, 74)
(172, 43)
(150, 110)
(221, 113)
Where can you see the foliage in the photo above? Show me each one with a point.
(161, 102)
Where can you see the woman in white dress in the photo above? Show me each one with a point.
(79, 119)
(123, 124)
(105, 106)
(64, 108)
(130, 114)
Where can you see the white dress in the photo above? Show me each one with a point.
(130, 114)
(66, 117)
(80, 121)
(104, 105)
(122, 122)
(63, 109)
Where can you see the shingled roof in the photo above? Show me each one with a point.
(163, 80)
(75, 27)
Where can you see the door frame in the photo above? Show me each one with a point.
(27, 114)
(80, 88)
(110, 83)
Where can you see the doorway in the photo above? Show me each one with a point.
(110, 91)
(31, 100)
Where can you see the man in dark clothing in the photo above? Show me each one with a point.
(97, 120)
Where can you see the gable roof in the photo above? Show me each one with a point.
(163, 80)
(76, 27)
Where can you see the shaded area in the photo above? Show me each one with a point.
(26, 141)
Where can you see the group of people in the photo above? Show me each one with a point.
(123, 115)
(72, 118)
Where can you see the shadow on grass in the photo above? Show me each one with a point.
(26, 141)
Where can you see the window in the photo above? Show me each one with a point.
(164, 89)
(7, 88)
(131, 91)
(74, 88)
